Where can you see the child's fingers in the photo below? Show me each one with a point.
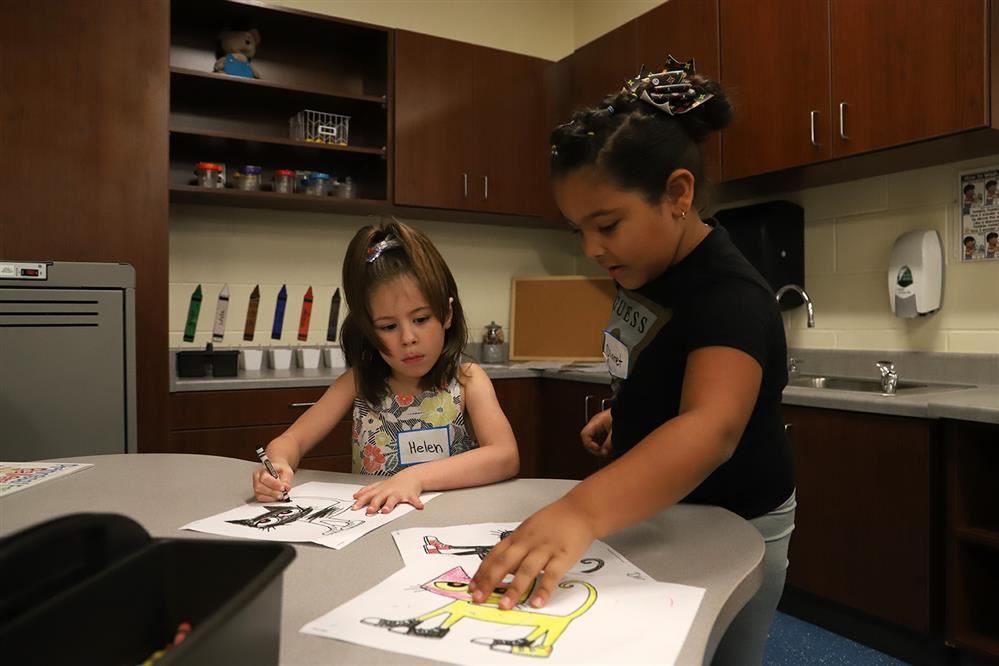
(523, 578)
(555, 568)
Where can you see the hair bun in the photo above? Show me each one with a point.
(713, 115)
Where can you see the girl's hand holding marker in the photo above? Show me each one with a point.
(272, 481)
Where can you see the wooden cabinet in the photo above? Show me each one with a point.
(813, 80)
(235, 423)
(567, 408)
(306, 62)
(469, 127)
(972, 453)
(867, 517)
(520, 400)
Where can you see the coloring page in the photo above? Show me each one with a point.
(466, 545)
(425, 610)
(317, 512)
(15, 476)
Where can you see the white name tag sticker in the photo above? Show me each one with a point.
(424, 445)
(616, 354)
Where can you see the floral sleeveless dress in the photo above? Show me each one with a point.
(375, 435)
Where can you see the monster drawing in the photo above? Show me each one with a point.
(275, 516)
(545, 629)
(434, 546)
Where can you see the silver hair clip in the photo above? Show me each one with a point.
(376, 250)
(670, 90)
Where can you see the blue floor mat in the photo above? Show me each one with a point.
(794, 642)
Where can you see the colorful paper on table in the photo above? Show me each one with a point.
(318, 512)
(251, 314)
(15, 476)
(221, 311)
(466, 545)
(424, 610)
(193, 311)
(303, 321)
(334, 316)
(282, 300)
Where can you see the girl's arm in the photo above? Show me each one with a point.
(495, 459)
(720, 388)
(286, 450)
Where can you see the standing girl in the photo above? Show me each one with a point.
(413, 399)
(695, 347)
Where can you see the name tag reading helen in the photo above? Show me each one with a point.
(424, 445)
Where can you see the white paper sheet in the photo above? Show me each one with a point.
(15, 476)
(318, 512)
(466, 545)
(602, 620)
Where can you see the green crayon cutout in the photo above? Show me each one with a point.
(193, 310)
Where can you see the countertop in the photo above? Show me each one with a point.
(703, 546)
(980, 403)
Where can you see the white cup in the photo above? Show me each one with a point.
(333, 357)
(279, 359)
(307, 357)
(251, 359)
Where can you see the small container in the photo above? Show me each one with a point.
(318, 184)
(248, 177)
(209, 174)
(301, 180)
(492, 344)
(284, 181)
(342, 188)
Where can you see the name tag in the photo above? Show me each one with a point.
(424, 445)
(616, 354)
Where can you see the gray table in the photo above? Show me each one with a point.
(703, 546)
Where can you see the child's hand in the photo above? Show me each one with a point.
(553, 539)
(596, 434)
(384, 495)
(268, 489)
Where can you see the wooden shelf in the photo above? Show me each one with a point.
(257, 138)
(192, 194)
(242, 80)
(977, 535)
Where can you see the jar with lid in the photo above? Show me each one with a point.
(284, 181)
(318, 184)
(209, 174)
(247, 177)
(492, 344)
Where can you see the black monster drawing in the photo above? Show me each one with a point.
(275, 516)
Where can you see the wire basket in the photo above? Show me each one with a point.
(320, 127)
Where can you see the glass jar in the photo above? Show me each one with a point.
(209, 174)
(248, 177)
(343, 188)
(284, 181)
(318, 184)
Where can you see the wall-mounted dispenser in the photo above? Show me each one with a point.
(915, 274)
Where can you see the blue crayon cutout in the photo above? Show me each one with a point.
(282, 300)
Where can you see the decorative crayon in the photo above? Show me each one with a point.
(303, 321)
(221, 310)
(193, 310)
(334, 316)
(251, 314)
(282, 300)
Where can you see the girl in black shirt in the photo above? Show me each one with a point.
(695, 346)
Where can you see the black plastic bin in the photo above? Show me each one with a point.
(97, 589)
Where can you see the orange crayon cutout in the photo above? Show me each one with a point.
(303, 322)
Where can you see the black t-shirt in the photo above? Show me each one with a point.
(713, 297)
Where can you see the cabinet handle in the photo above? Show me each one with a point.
(603, 403)
(787, 427)
(842, 121)
(301, 404)
(586, 409)
(485, 185)
(465, 177)
(811, 126)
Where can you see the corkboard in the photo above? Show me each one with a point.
(559, 318)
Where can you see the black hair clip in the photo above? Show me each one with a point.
(670, 90)
(610, 109)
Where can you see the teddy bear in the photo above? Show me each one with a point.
(236, 51)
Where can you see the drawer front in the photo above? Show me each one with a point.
(224, 409)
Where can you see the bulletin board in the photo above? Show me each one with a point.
(559, 318)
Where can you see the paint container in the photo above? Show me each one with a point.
(307, 357)
(279, 359)
(318, 184)
(284, 181)
(247, 177)
(251, 359)
(333, 357)
(209, 175)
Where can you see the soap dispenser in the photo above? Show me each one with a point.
(915, 274)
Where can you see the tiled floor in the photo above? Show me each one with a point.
(794, 642)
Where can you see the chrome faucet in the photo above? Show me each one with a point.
(889, 378)
(804, 296)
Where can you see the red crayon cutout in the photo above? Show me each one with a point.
(303, 322)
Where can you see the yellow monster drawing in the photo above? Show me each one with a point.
(545, 628)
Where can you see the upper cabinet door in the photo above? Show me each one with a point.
(511, 168)
(435, 124)
(684, 29)
(904, 70)
(603, 66)
(775, 68)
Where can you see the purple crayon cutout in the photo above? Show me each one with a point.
(282, 300)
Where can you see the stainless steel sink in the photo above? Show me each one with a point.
(868, 385)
